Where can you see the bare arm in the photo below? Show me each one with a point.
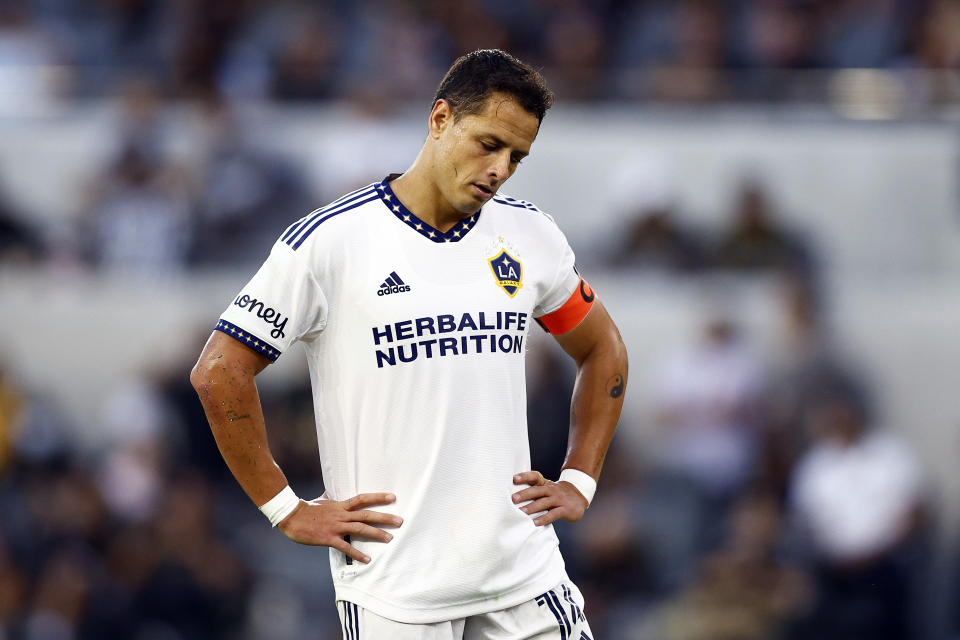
(224, 380)
(601, 357)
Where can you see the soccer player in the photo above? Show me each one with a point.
(414, 297)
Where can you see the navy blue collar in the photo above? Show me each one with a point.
(389, 198)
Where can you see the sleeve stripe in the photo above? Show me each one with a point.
(248, 339)
(306, 234)
(572, 312)
(292, 233)
(299, 224)
(513, 202)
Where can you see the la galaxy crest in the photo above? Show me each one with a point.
(508, 271)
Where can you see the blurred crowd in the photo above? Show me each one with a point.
(769, 504)
(145, 537)
(151, 210)
(380, 51)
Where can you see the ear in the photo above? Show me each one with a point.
(441, 117)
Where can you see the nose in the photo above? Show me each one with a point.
(500, 169)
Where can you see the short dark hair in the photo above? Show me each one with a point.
(836, 385)
(473, 77)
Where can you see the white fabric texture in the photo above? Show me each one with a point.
(420, 391)
(706, 390)
(556, 614)
(856, 499)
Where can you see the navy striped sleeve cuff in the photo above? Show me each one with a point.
(248, 339)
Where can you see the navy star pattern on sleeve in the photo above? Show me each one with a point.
(248, 339)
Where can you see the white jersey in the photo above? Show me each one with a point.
(415, 341)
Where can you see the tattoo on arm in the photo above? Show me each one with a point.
(615, 386)
(232, 415)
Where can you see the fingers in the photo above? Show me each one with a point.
(360, 530)
(550, 511)
(550, 516)
(552, 500)
(543, 504)
(326, 522)
(529, 477)
(532, 493)
(363, 500)
(343, 546)
(376, 517)
(360, 501)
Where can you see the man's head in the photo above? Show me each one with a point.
(476, 76)
(485, 117)
(840, 409)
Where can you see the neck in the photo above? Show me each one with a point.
(419, 193)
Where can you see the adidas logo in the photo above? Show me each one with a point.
(393, 284)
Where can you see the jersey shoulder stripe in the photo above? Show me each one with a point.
(300, 224)
(332, 214)
(513, 202)
(521, 204)
(299, 231)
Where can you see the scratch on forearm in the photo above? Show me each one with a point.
(232, 415)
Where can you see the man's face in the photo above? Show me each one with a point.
(477, 153)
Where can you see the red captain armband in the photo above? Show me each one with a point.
(569, 315)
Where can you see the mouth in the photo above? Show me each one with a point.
(483, 191)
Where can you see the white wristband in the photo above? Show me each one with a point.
(582, 481)
(280, 506)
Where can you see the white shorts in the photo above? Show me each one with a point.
(554, 615)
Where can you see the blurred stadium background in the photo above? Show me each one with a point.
(764, 192)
